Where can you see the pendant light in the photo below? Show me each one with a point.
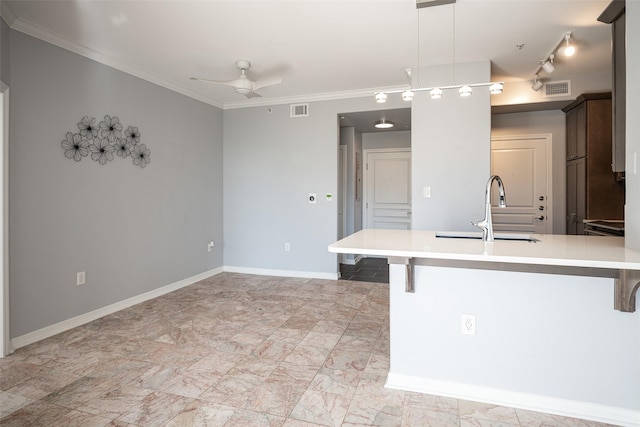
(464, 90)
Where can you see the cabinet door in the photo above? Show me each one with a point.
(572, 208)
(581, 129)
(572, 127)
(576, 195)
(581, 194)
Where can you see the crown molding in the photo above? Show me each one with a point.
(56, 39)
(59, 40)
(7, 13)
(317, 97)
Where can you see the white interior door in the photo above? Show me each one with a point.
(524, 165)
(387, 189)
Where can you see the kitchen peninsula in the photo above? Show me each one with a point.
(555, 323)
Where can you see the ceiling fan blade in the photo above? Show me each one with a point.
(253, 95)
(231, 83)
(267, 81)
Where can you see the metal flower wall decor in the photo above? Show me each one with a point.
(105, 141)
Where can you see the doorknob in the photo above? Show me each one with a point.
(541, 198)
(540, 218)
(540, 208)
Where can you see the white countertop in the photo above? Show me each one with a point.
(551, 249)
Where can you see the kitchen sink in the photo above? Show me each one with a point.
(478, 235)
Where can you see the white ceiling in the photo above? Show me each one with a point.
(322, 49)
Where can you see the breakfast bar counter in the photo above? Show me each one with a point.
(595, 256)
(544, 334)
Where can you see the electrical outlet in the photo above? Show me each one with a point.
(210, 246)
(468, 324)
(287, 247)
(81, 278)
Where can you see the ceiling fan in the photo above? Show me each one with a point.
(243, 85)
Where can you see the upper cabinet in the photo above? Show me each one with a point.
(614, 14)
(592, 190)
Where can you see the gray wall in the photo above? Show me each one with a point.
(632, 213)
(542, 122)
(131, 229)
(272, 163)
(450, 150)
(395, 139)
(5, 75)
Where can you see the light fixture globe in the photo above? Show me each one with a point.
(384, 124)
(496, 88)
(435, 93)
(465, 91)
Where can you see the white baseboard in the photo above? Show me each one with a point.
(282, 273)
(74, 322)
(82, 319)
(546, 404)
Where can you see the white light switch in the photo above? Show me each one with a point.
(426, 192)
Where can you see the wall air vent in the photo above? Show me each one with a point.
(559, 88)
(299, 110)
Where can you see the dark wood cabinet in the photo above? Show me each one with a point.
(592, 190)
(614, 14)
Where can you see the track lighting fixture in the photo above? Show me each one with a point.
(564, 47)
(464, 90)
(437, 92)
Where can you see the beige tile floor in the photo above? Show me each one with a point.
(234, 350)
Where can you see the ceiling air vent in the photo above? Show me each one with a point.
(559, 88)
(299, 110)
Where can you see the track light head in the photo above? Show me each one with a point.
(496, 88)
(569, 49)
(537, 84)
(465, 91)
(547, 65)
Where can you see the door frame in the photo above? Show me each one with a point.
(365, 184)
(343, 170)
(547, 139)
(5, 331)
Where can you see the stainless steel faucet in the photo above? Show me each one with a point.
(486, 225)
